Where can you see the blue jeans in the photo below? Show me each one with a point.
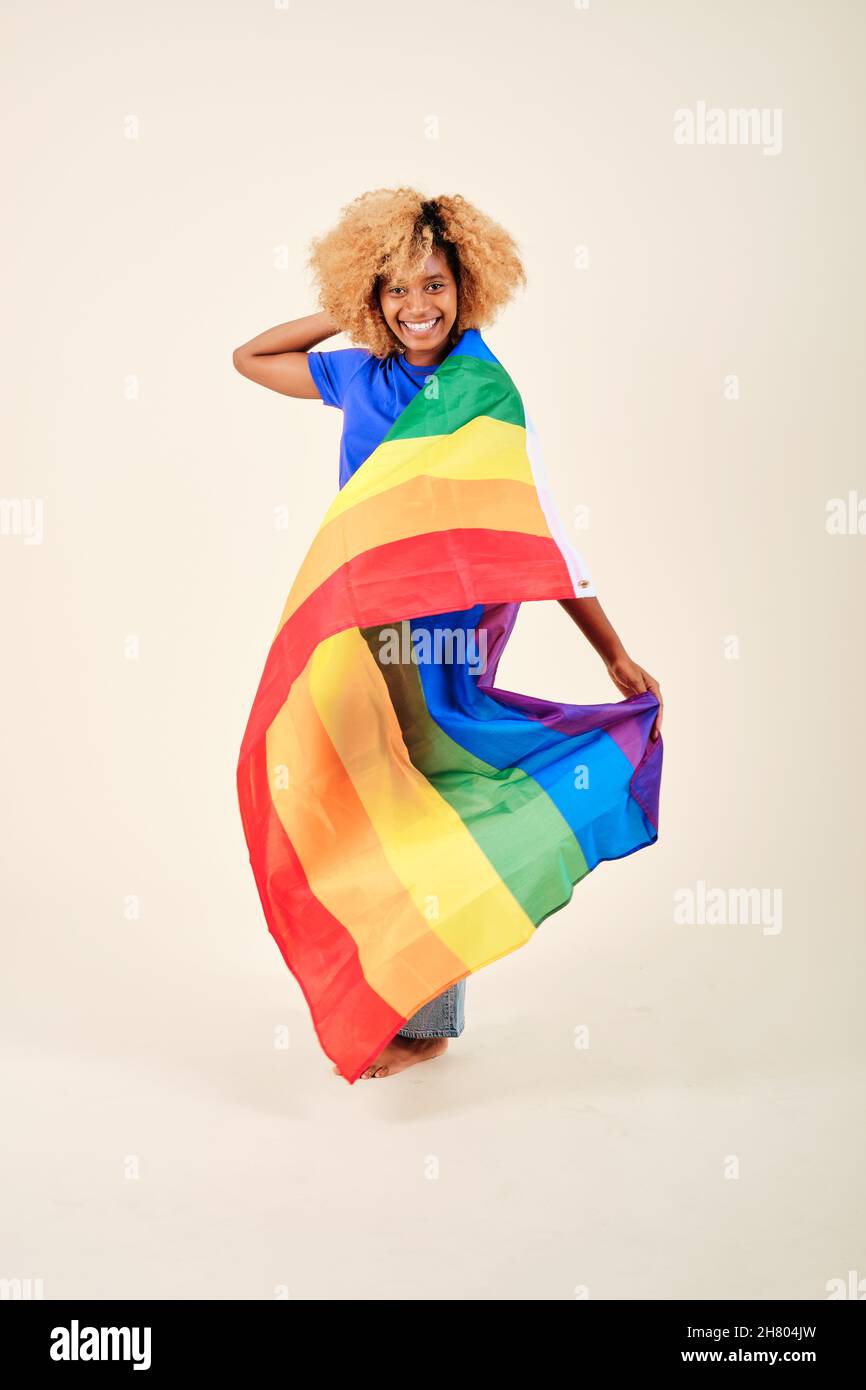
(441, 1018)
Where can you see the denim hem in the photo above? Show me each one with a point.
(438, 1034)
(441, 1017)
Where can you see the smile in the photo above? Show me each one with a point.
(420, 328)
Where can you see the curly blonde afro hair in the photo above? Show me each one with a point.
(392, 231)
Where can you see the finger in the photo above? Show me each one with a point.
(655, 688)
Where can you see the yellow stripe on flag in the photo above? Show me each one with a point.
(424, 840)
(402, 959)
(483, 448)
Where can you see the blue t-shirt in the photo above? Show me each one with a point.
(372, 392)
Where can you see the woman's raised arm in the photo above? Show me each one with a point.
(277, 358)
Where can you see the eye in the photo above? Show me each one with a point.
(437, 285)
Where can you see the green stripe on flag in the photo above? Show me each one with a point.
(460, 389)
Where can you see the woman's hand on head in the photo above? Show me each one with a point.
(277, 358)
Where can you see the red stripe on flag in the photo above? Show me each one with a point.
(353, 1023)
(438, 572)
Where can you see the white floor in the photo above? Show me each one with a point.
(516, 1167)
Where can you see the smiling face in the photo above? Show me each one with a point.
(421, 310)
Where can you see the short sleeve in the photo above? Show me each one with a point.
(332, 372)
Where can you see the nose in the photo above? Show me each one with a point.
(414, 303)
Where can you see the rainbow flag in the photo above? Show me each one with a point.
(407, 821)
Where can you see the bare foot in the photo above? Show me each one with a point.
(402, 1053)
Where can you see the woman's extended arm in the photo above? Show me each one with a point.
(277, 358)
(626, 675)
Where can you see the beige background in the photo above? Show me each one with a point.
(157, 1143)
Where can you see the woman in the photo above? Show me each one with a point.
(406, 277)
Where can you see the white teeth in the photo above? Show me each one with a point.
(419, 327)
